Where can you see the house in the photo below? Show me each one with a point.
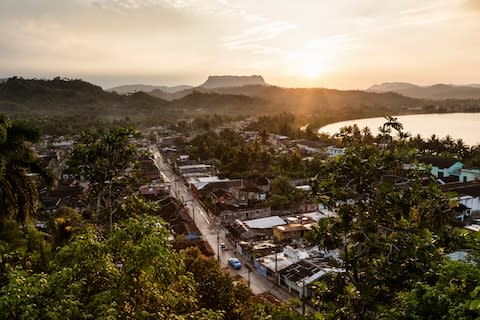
(469, 174)
(311, 146)
(252, 250)
(300, 275)
(148, 169)
(226, 214)
(269, 265)
(68, 193)
(254, 229)
(251, 195)
(182, 226)
(154, 191)
(442, 167)
(468, 196)
(333, 151)
(291, 231)
(199, 183)
(196, 170)
(183, 157)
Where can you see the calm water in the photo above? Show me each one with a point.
(458, 125)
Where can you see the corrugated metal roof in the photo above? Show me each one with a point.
(265, 223)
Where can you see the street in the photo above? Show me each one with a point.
(214, 235)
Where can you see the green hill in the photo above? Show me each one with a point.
(60, 106)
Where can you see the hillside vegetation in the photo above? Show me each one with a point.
(60, 106)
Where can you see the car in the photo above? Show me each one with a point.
(222, 245)
(235, 263)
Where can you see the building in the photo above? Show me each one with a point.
(291, 231)
(148, 169)
(197, 170)
(469, 174)
(333, 151)
(227, 214)
(154, 190)
(443, 167)
(300, 275)
(468, 197)
(310, 146)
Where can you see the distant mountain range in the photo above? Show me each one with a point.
(232, 81)
(435, 92)
(132, 88)
(60, 106)
(176, 92)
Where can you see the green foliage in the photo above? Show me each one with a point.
(135, 206)
(134, 274)
(282, 123)
(234, 156)
(267, 311)
(107, 160)
(390, 233)
(215, 290)
(453, 293)
(62, 106)
(64, 223)
(18, 189)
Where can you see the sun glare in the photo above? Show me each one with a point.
(308, 65)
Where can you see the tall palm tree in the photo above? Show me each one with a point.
(18, 191)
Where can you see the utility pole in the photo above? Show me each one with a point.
(303, 297)
(218, 247)
(276, 270)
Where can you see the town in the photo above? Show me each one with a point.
(260, 202)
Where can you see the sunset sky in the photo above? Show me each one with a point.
(303, 43)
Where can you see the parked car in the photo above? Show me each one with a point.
(235, 263)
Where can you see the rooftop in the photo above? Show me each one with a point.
(439, 162)
(265, 223)
(321, 214)
(291, 227)
(471, 188)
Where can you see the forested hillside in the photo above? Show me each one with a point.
(61, 106)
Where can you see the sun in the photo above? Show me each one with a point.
(308, 65)
(312, 69)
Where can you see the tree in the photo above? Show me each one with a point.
(389, 227)
(107, 160)
(132, 275)
(19, 164)
(452, 293)
(263, 135)
(64, 224)
(215, 289)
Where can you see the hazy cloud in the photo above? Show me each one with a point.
(257, 34)
(385, 40)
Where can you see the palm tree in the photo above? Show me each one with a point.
(18, 190)
(263, 135)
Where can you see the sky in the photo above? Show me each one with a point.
(344, 44)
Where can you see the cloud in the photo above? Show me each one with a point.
(135, 4)
(258, 33)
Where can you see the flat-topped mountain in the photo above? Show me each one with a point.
(132, 88)
(391, 87)
(232, 81)
(436, 92)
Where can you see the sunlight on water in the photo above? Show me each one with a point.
(465, 126)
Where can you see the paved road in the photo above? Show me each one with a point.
(214, 235)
